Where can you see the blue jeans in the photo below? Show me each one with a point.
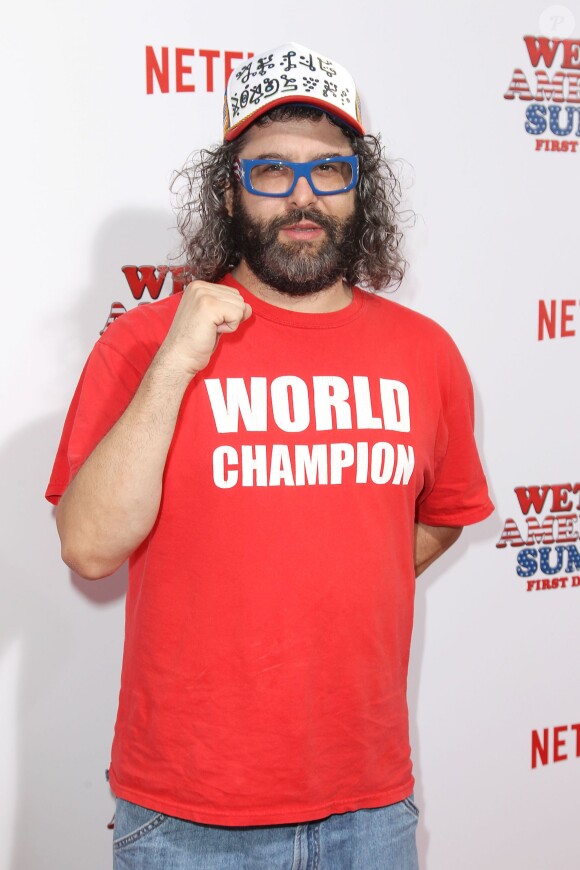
(374, 839)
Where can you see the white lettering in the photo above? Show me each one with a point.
(281, 466)
(395, 400)
(405, 464)
(382, 462)
(362, 399)
(227, 411)
(316, 464)
(331, 392)
(341, 456)
(222, 478)
(254, 465)
(311, 464)
(290, 403)
(362, 462)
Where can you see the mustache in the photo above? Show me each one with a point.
(307, 214)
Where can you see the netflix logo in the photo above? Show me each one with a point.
(559, 743)
(556, 318)
(189, 70)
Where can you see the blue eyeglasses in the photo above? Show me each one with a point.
(326, 177)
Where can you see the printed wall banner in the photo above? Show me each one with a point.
(551, 93)
(547, 554)
(147, 283)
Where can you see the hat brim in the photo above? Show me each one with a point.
(328, 108)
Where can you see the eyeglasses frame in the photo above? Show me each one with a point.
(243, 167)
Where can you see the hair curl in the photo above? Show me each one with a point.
(204, 223)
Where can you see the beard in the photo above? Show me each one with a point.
(297, 268)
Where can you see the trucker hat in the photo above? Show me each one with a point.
(290, 73)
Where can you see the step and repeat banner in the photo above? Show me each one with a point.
(479, 110)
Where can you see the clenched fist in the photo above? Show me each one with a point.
(204, 313)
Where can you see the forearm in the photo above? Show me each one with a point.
(431, 542)
(113, 501)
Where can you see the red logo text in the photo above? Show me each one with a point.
(186, 70)
(556, 318)
(555, 744)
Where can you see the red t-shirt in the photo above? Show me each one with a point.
(269, 611)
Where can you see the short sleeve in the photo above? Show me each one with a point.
(106, 386)
(459, 494)
(108, 382)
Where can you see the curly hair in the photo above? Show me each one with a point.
(204, 222)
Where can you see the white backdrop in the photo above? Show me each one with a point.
(86, 159)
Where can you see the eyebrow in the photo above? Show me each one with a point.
(322, 156)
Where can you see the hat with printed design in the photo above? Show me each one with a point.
(290, 73)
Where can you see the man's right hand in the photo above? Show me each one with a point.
(204, 313)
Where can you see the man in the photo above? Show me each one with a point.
(278, 453)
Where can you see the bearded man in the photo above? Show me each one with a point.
(279, 454)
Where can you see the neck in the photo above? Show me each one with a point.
(332, 298)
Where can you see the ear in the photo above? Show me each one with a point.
(229, 199)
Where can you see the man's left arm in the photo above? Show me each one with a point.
(431, 542)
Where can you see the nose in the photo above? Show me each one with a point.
(302, 195)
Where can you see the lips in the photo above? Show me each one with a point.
(303, 225)
(303, 230)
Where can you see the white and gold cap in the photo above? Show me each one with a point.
(290, 73)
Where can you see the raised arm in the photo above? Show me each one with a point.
(431, 542)
(112, 503)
